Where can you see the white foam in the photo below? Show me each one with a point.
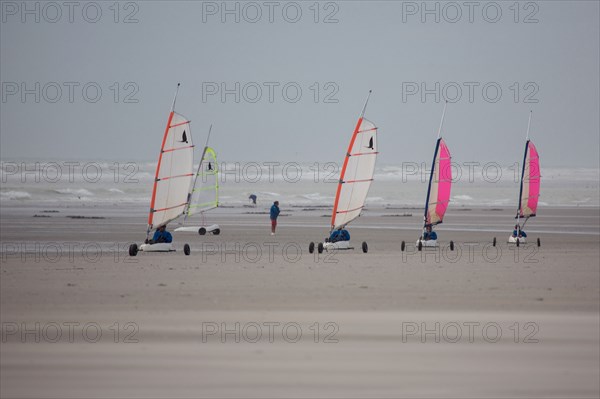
(463, 197)
(315, 197)
(80, 192)
(14, 195)
(268, 194)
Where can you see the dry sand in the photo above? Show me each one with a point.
(475, 322)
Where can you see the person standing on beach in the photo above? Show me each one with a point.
(274, 214)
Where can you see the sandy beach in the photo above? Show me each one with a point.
(383, 118)
(251, 315)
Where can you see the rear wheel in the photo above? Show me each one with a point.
(311, 247)
(201, 231)
(451, 245)
(320, 248)
(539, 243)
(494, 242)
(402, 246)
(186, 249)
(217, 232)
(365, 247)
(420, 246)
(133, 250)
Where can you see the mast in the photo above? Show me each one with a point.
(435, 152)
(362, 114)
(523, 170)
(528, 125)
(442, 121)
(175, 97)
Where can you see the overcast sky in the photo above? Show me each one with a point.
(542, 56)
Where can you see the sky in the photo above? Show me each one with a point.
(286, 81)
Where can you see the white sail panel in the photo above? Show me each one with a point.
(174, 172)
(204, 194)
(356, 175)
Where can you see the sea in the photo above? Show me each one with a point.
(311, 184)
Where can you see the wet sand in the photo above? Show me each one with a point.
(251, 315)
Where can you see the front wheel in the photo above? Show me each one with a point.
(494, 242)
(518, 242)
(133, 250)
(320, 248)
(186, 249)
(420, 246)
(402, 246)
(365, 247)
(539, 243)
(216, 232)
(201, 231)
(311, 247)
(451, 245)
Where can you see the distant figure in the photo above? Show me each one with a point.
(517, 232)
(252, 198)
(273, 215)
(161, 235)
(339, 235)
(429, 234)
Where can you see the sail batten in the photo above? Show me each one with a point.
(177, 149)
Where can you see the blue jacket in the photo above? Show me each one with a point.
(339, 235)
(430, 235)
(522, 234)
(165, 236)
(274, 212)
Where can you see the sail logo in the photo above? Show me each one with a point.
(184, 138)
(370, 146)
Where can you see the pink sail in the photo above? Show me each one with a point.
(530, 182)
(440, 185)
